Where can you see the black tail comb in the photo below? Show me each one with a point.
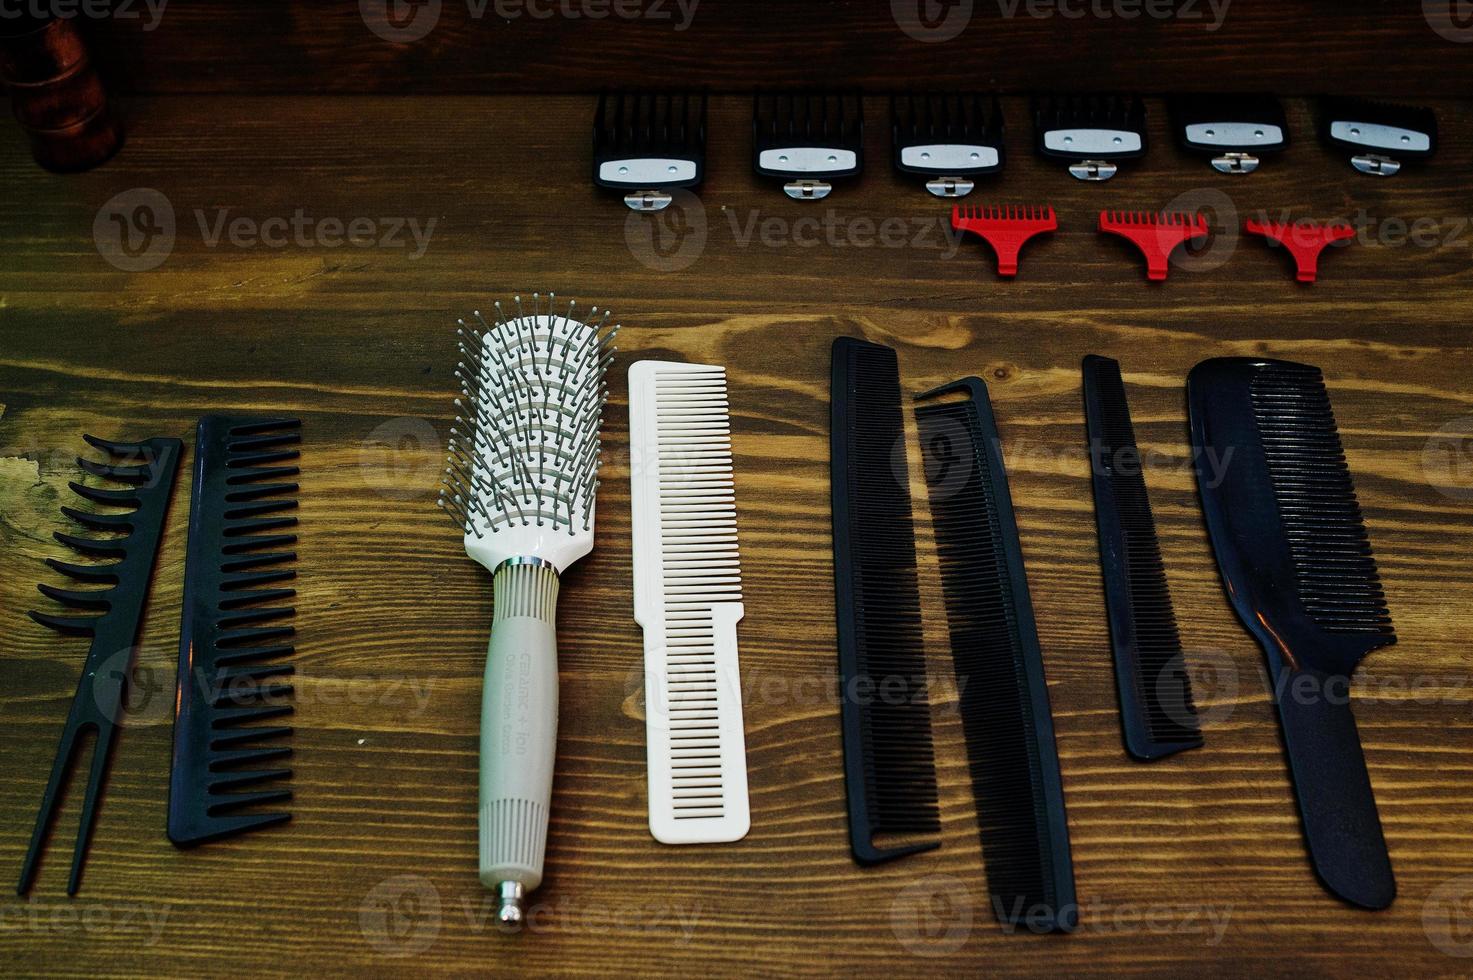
(948, 138)
(234, 633)
(1006, 718)
(1296, 561)
(645, 143)
(146, 471)
(889, 769)
(807, 138)
(1156, 709)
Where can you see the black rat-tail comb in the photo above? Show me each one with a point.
(128, 548)
(1156, 710)
(234, 636)
(1006, 719)
(1296, 562)
(889, 769)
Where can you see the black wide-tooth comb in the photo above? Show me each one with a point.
(949, 139)
(1156, 710)
(889, 769)
(1006, 718)
(233, 636)
(647, 143)
(1296, 562)
(807, 138)
(147, 470)
(1093, 132)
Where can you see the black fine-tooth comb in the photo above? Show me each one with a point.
(1006, 718)
(1378, 135)
(232, 635)
(1156, 710)
(807, 139)
(889, 769)
(647, 143)
(1093, 132)
(148, 471)
(949, 139)
(1235, 131)
(1296, 562)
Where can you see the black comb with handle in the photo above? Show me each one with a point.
(1296, 562)
(1156, 709)
(233, 637)
(127, 551)
(889, 768)
(1005, 711)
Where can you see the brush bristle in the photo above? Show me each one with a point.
(525, 445)
(1335, 572)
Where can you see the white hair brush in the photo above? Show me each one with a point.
(523, 469)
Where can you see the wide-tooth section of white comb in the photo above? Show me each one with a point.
(688, 599)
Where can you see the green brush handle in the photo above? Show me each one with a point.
(518, 732)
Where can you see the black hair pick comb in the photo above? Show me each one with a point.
(147, 471)
(1156, 710)
(1296, 561)
(950, 139)
(889, 769)
(646, 144)
(1006, 718)
(808, 138)
(233, 635)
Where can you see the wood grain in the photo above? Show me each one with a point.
(393, 618)
(1371, 47)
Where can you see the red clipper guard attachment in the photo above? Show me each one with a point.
(1006, 229)
(1305, 240)
(1156, 235)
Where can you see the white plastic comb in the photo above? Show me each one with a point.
(688, 599)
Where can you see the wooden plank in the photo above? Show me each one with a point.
(393, 618)
(501, 46)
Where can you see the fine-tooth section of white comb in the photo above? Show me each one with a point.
(688, 599)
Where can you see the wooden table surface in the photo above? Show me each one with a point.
(1192, 863)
